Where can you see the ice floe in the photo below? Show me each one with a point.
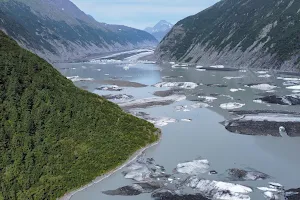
(77, 78)
(246, 175)
(186, 120)
(264, 76)
(263, 86)
(137, 172)
(219, 189)
(231, 105)
(119, 97)
(217, 66)
(194, 167)
(200, 105)
(152, 101)
(201, 70)
(199, 67)
(164, 121)
(293, 99)
(182, 108)
(288, 79)
(233, 77)
(227, 96)
(207, 99)
(184, 85)
(262, 72)
(264, 123)
(236, 89)
(295, 87)
(110, 88)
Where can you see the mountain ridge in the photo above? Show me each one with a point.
(252, 33)
(59, 31)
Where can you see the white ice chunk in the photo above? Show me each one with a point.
(233, 77)
(236, 89)
(193, 167)
(77, 78)
(227, 96)
(295, 87)
(271, 196)
(218, 66)
(137, 172)
(288, 79)
(266, 189)
(262, 72)
(219, 189)
(264, 76)
(200, 105)
(164, 121)
(207, 99)
(182, 108)
(185, 85)
(199, 67)
(186, 120)
(201, 70)
(231, 105)
(152, 100)
(263, 86)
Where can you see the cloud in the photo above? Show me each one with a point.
(141, 13)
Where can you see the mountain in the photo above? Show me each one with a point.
(55, 137)
(250, 33)
(160, 29)
(58, 31)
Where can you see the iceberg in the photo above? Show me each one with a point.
(236, 89)
(263, 86)
(295, 87)
(194, 167)
(219, 189)
(77, 79)
(184, 85)
(231, 105)
(200, 105)
(207, 99)
(164, 121)
(234, 77)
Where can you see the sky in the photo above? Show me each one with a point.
(141, 13)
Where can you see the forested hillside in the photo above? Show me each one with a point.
(250, 33)
(55, 137)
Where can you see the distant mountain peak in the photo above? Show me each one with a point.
(160, 29)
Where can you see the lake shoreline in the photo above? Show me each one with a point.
(69, 195)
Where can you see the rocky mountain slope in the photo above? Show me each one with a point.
(248, 33)
(55, 137)
(57, 30)
(160, 30)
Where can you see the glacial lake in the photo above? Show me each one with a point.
(196, 132)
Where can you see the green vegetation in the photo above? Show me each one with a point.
(55, 137)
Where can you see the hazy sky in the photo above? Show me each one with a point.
(141, 13)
